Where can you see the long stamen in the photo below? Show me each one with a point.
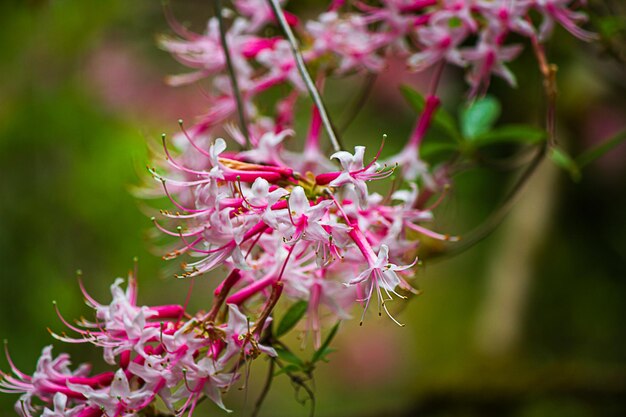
(68, 324)
(14, 368)
(92, 302)
(191, 141)
(170, 159)
(432, 234)
(380, 149)
(180, 207)
(178, 231)
(392, 317)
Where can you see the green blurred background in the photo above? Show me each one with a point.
(530, 322)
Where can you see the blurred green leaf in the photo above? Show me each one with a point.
(288, 356)
(323, 350)
(431, 150)
(291, 317)
(564, 161)
(442, 119)
(596, 152)
(511, 134)
(611, 25)
(286, 369)
(478, 118)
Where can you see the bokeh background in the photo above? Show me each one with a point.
(531, 322)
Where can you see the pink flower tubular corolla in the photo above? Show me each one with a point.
(240, 339)
(261, 199)
(281, 67)
(304, 218)
(182, 361)
(440, 40)
(503, 16)
(50, 377)
(268, 149)
(488, 57)
(260, 13)
(354, 172)
(205, 52)
(60, 408)
(118, 399)
(379, 276)
(349, 38)
(203, 378)
(558, 10)
(122, 326)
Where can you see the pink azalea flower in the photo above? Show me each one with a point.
(380, 276)
(354, 172)
(303, 221)
(117, 399)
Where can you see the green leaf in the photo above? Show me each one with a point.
(596, 152)
(323, 350)
(429, 149)
(441, 119)
(291, 318)
(511, 134)
(563, 160)
(324, 353)
(288, 356)
(287, 368)
(479, 116)
(611, 25)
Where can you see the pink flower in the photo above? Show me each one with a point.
(260, 13)
(380, 276)
(558, 10)
(239, 339)
(354, 172)
(440, 41)
(205, 52)
(486, 58)
(117, 399)
(348, 37)
(304, 218)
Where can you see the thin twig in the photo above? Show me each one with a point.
(231, 72)
(304, 72)
(277, 289)
(299, 382)
(548, 71)
(494, 220)
(266, 389)
(358, 104)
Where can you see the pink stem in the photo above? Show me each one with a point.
(252, 289)
(423, 122)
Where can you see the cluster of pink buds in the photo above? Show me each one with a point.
(155, 351)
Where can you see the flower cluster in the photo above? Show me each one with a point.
(305, 223)
(359, 37)
(155, 351)
(282, 225)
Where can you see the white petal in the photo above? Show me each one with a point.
(298, 203)
(120, 386)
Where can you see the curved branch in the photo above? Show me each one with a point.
(304, 72)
